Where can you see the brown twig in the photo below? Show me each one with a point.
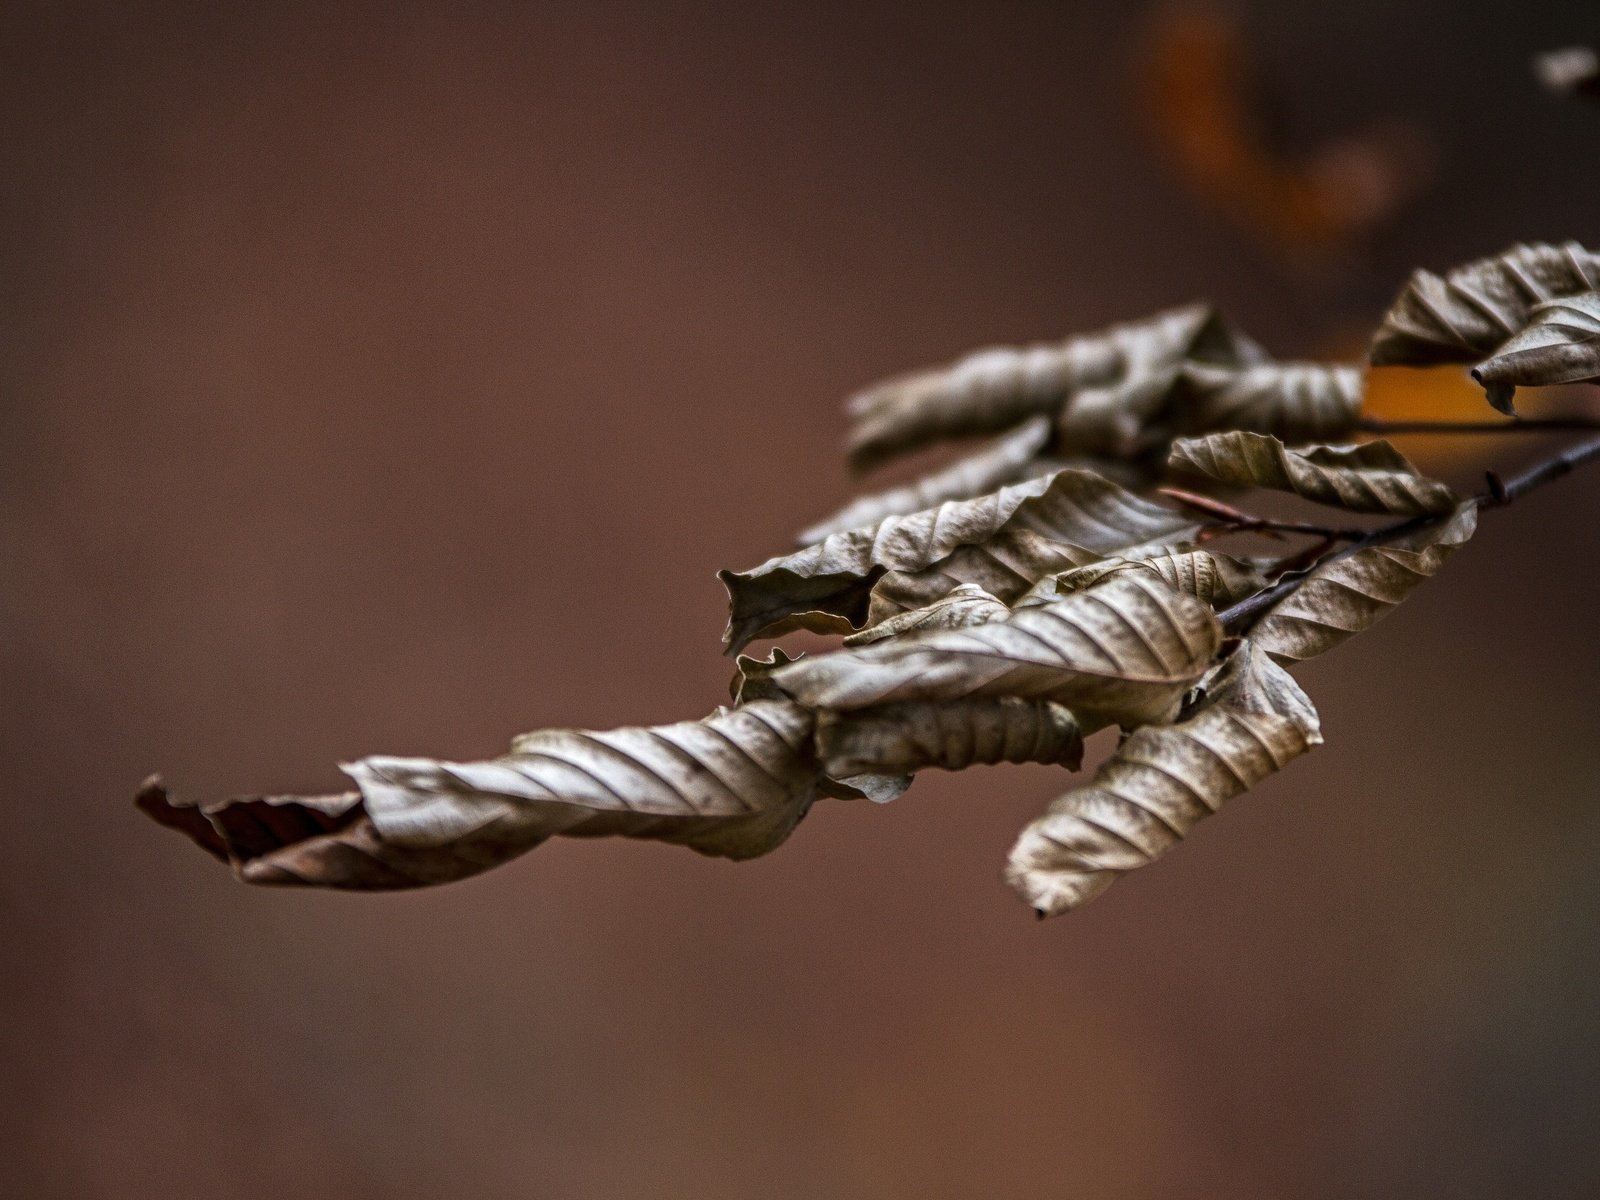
(1239, 521)
(1239, 617)
(1514, 425)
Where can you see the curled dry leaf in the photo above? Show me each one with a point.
(1122, 653)
(1295, 401)
(1149, 794)
(829, 587)
(966, 604)
(1130, 364)
(907, 737)
(1010, 458)
(1561, 344)
(1215, 579)
(732, 785)
(1464, 316)
(1349, 593)
(1372, 477)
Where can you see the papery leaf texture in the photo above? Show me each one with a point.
(965, 604)
(732, 785)
(1561, 344)
(1212, 578)
(1372, 477)
(1349, 593)
(1296, 401)
(990, 390)
(1161, 781)
(828, 587)
(949, 734)
(1121, 653)
(1462, 317)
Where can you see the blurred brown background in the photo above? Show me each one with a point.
(394, 378)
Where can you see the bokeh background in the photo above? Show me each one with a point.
(394, 378)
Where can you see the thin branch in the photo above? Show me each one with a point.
(1515, 425)
(1239, 521)
(1241, 616)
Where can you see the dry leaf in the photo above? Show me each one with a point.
(1373, 477)
(1215, 579)
(1295, 401)
(828, 587)
(1009, 459)
(733, 785)
(1121, 653)
(950, 735)
(1467, 314)
(994, 389)
(1149, 794)
(966, 604)
(1346, 595)
(1561, 344)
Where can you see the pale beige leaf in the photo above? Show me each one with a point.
(1126, 365)
(1296, 401)
(1346, 595)
(965, 604)
(1010, 459)
(1464, 316)
(1212, 578)
(1372, 477)
(1122, 653)
(828, 587)
(752, 677)
(1005, 566)
(733, 785)
(1561, 344)
(948, 734)
(1149, 794)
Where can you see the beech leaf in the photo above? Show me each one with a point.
(1561, 344)
(1347, 594)
(1296, 401)
(1160, 781)
(1130, 364)
(1464, 316)
(1212, 578)
(1372, 477)
(732, 785)
(950, 735)
(966, 604)
(828, 587)
(1124, 653)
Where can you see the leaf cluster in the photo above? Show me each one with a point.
(1008, 604)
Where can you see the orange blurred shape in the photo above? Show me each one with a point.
(1194, 85)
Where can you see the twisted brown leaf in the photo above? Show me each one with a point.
(1464, 316)
(993, 389)
(1124, 653)
(1561, 344)
(1215, 579)
(1372, 477)
(1149, 794)
(965, 604)
(1348, 594)
(1012, 457)
(948, 734)
(829, 587)
(1298, 402)
(732, 785)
